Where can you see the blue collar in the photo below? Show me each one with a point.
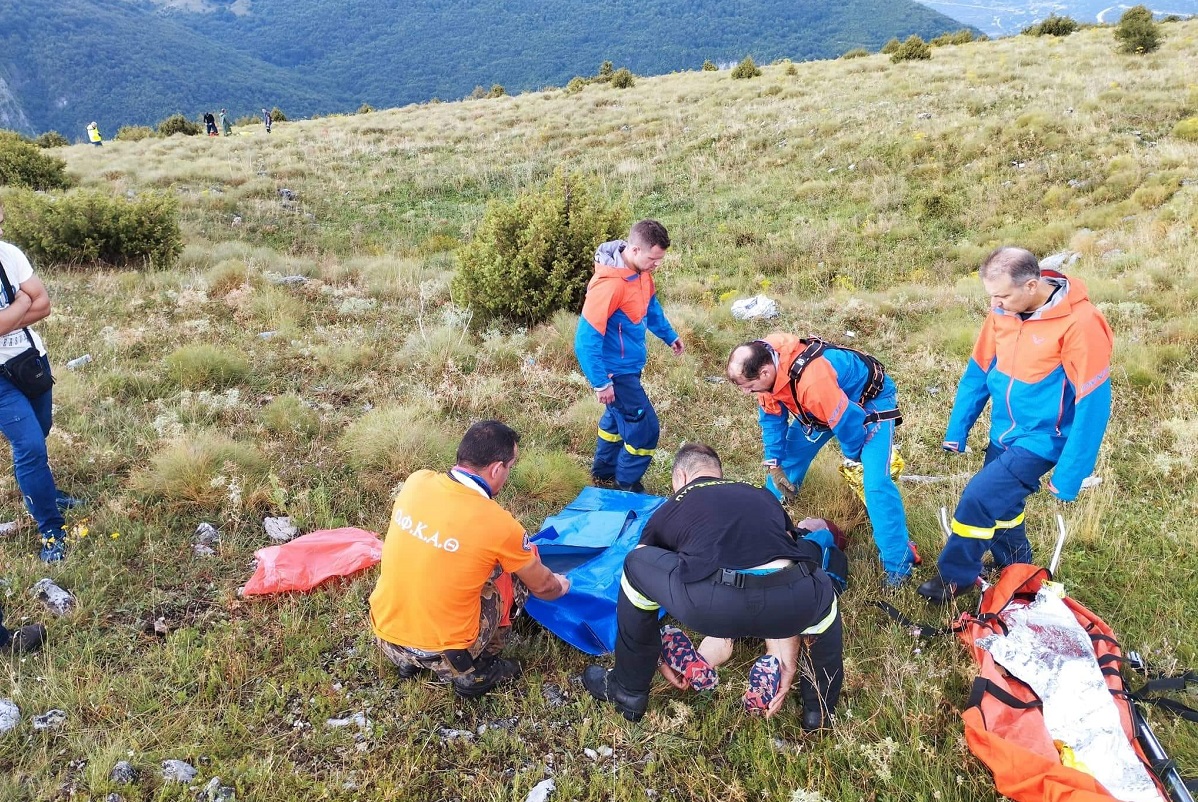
(457, 473)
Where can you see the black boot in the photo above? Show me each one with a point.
(26, 639)
(489, 671)
(814, 720)
(937, 591)
(598, 680)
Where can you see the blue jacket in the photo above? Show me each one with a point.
(1050, 379)
(620, 305)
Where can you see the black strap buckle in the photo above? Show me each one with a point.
(734, 578)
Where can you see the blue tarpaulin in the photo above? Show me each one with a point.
(587, 541)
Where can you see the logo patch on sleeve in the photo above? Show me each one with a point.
(527, 544)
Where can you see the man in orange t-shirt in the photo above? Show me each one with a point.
(449, 550)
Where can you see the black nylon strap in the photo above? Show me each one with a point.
(983, 686)
(918, 630)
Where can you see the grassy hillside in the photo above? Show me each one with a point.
(860, 194)
(132, 62)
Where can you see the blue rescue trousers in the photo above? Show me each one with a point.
(628, 433)
(883, 503)
(989, 516)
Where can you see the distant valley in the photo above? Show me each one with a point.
(1003, 18)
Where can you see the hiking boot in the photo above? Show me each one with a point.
(599, 682)
(816, 721)
(635, 487)
(408, 670)
(938, 591)
(680, 654)
(54, 548)
(603, 481)
(493, 671)
(65, 502)
(26, 639)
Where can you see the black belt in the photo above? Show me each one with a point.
(884, 415)
(740, 579)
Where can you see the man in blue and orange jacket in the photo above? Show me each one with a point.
(838, 394)
(1044, 357)
(621, 303)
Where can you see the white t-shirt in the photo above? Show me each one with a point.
(18, 270)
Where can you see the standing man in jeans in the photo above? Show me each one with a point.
(25, 421)
(1044, 358)
(621, 303)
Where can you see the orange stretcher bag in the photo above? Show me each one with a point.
(1004, 726)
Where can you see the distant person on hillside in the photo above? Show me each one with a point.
(23, 640)
(26, 397)
(455, 566)
(225, 127)
(1043, 362)
(266, 120)
(93, 134)
(723, 557)
(621, 304)
(210, 124)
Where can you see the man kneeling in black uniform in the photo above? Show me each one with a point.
(723, 558)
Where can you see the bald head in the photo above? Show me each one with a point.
(1018, 264)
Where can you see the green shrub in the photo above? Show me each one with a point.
(533, 256)
(365, 108)
(856, 52)
(90, 227)
(605, 72)
(746, 69)
(575, 85)
(1187, 129)
(200, 472)
(178, 124)
(51, 139)
(206, 367)
(891, 46)
(914, 49)
(134, 133)
(22, 164)
(1052, 26)
(622, 78)
(1137, 31)
(249, 119)
(277, 115)
(497, 90)
(709, 66)
(288, 415)
(961, 37)
(390, 442)
(478, 93)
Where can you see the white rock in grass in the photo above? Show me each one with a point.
(1059, 261)
(206, 534)
(55, 599)
(215, 792)
(280, 530)
(178, 771)
(541, 791)
(357, 718)
(8, 527)
(10, 715)
(50, 720)
(123, 773)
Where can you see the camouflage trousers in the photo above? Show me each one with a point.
(459, 666)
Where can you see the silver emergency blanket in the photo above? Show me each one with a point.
(1047, 649)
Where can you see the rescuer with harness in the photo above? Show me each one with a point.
(808, 391)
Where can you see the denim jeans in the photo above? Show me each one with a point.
(26, 423)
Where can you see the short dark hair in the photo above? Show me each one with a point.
(1019, 264)
(487, 442)
(693, 457)
(651, 234)
(760, 355)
